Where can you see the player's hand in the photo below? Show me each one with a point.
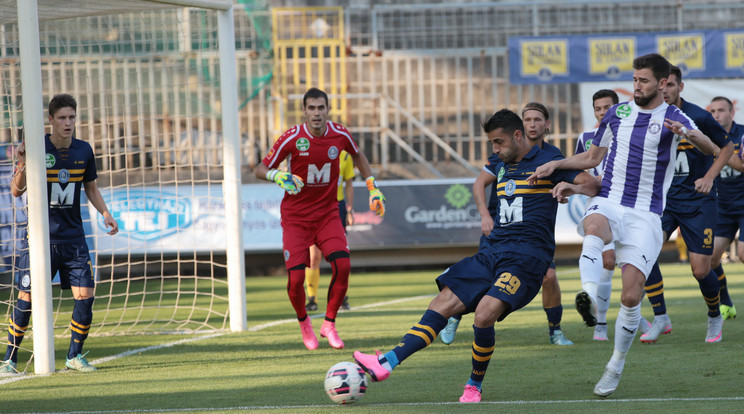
(376, 199)
(562, 191)
(21, 152)
(486, 224)
(110, 222)
(703, 185)
(290, 183)
(542, 171)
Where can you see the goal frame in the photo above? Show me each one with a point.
(33, 115)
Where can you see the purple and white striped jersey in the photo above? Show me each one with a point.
(638, 168)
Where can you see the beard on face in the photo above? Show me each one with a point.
(645, 100)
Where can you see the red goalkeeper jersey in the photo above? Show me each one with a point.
(316, 161)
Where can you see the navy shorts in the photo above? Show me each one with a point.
(513, 278)
(342, 212)
(729, 223)
(696, 223)
(71, 260)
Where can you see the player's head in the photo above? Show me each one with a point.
(650, 73)
(723, 111)
(602, 101)
(674, 87)
(62, 115)
(315, 109)
(536, 121)
(505, 131)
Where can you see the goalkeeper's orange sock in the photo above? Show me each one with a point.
(312, 280)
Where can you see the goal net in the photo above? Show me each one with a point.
(148, 89)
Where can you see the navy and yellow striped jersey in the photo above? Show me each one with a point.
(67, 169)
(731, 182)
(692, 164)
(493, 199)
(525, 218)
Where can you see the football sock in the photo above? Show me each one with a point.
(341, 267)
(296, 291)
(82, 316)
(626, 327)
(420, 335)
(312, 280)
(555, 315)
(484, 341)
(17, 329)
(457, 316)
(590, 264)
(655, 290)
(725, 298)
(604, 291)
(710, 290)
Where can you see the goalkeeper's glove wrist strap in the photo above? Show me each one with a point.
(271, 174)
(371, 185)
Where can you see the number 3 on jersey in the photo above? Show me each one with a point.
(507, 282)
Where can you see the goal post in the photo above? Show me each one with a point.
(166, 133)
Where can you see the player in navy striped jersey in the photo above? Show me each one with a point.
(730, 184)
(638, 138)
(508, 269)
(70, 167)
(691, 206)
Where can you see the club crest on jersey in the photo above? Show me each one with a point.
(623, 111)
(303, 144)
(50, 161)
(501, 173)
(654, 127)
(510, 188)
(333, 153)
(26, 281)
(63, 176)
(286, 255)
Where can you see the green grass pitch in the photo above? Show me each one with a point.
(267, 369)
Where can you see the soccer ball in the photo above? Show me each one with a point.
(345, 383)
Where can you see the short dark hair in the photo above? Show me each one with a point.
(725, 99)
(60, 101)
(654, 61)
(606, 93)
(314, 93)
(506, 119)
(675, 70)
(536, 106)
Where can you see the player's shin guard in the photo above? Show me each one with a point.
(484, 341)
(82, 316)
(655, 290)
(710, 289)
(420, 335)
(625, 331)
(590, 264)
(17, 329)
(296, 290)
(721, 274)
(341, 266)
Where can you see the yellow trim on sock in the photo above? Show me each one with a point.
(421, 335)
(483, 350)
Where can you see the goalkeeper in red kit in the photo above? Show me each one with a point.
(309, 208)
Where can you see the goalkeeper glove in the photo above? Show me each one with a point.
(376, 199)
(290, 183)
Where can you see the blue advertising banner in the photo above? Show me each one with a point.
(597, 58)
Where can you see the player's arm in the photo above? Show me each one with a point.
(583, 183)
(95, 197)
(289, 182)
(705, 183)
(349, 197)
(736, 162)
(479, 195)
(18, 183)
(376, 199)
(694, 136)
(583, 161)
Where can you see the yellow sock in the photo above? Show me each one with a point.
(312, 280)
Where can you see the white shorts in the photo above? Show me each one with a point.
(636, 233)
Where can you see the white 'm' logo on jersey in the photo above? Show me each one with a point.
(60, 196)
(510, 213)
(316, 176)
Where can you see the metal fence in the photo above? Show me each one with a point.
(419, 78)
